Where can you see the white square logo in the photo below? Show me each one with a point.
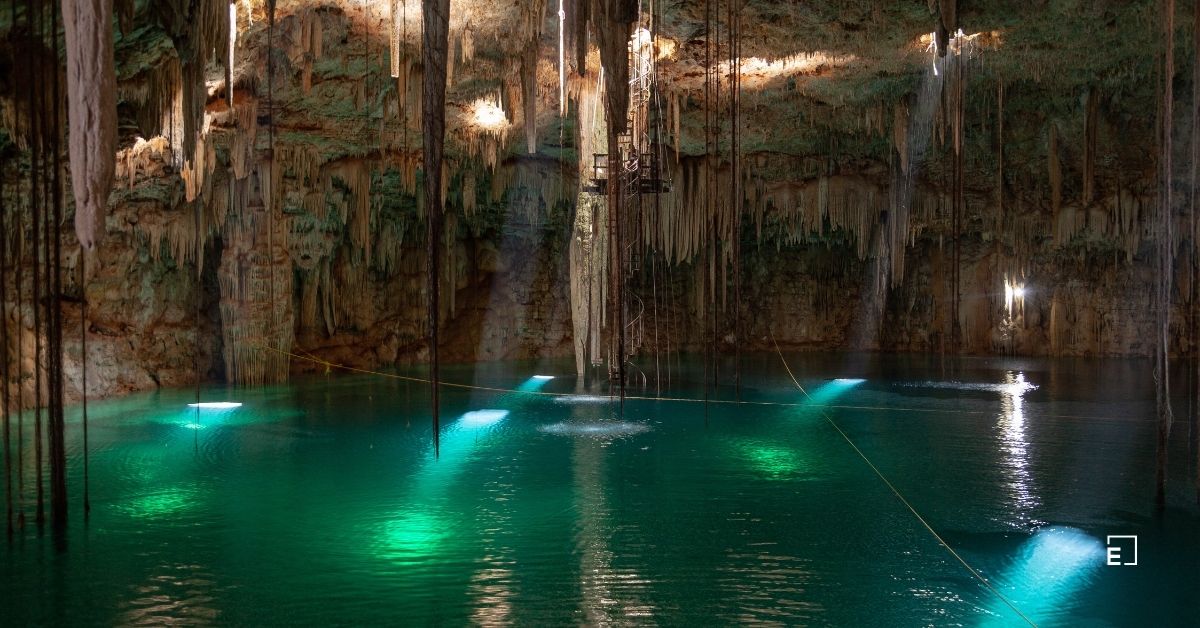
(1122, 550)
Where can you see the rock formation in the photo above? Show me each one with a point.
(268, 160)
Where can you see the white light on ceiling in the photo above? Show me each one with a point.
(216, 405)
(488, 115)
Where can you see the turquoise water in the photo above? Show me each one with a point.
(321, 503)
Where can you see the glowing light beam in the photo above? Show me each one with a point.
(482, 418)
(216, 405)
(1050, 569)
(535, 383)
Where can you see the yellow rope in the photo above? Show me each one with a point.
(899, 496)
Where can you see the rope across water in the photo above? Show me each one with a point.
(329, 366)
(900, 497)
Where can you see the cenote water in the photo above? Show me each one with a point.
(321, 502)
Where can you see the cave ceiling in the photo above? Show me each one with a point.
(815, 69)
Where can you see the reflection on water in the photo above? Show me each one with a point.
(412, 536)
(610, 594)
(1015, 449)
(595, 429)
(1010, 386)
(583, 398)
(175, 595)
(772, 460)
(322, 503)
(492, 583)
(164, 502)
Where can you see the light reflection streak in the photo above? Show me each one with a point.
(595, 429)
(492, 582)
(582, 399)
(610, 595)
(1015, 448)
(175, 594)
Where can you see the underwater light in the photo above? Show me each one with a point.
(534, 383)
(482, 418)
(193, 426)
(1050, 568)
(829, 391)
(216, 405)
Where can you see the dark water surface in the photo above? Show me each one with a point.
(321, 503)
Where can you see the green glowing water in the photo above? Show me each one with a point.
(322, 503)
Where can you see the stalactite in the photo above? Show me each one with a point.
(396, 10)
(310, 46)
(158, 98)
(5, 361)
(256, 303)
(736, 193)
(1165, 262)
(531, 189)
(436, 16)
(356, 174)
(230, 60)
(900, 134)
(581, 16)
(468, 193)
(959, 125)
(999, 150)
(704, 228)
(1194, 301)
(529, 95)
(52, 135)
(91, 112)
(402, 89)
(451, 273)
(145, 158)
(450, 62)
(1054, 168)
(201, 31)
(20, 320)
(316, 34)
(562, 63)
(196, 170)
(613, 24)
(588, 248)
(242, 153)
(467, 44)
(273, 174)
(35, 117)
(1089, 147)
(676, 114)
